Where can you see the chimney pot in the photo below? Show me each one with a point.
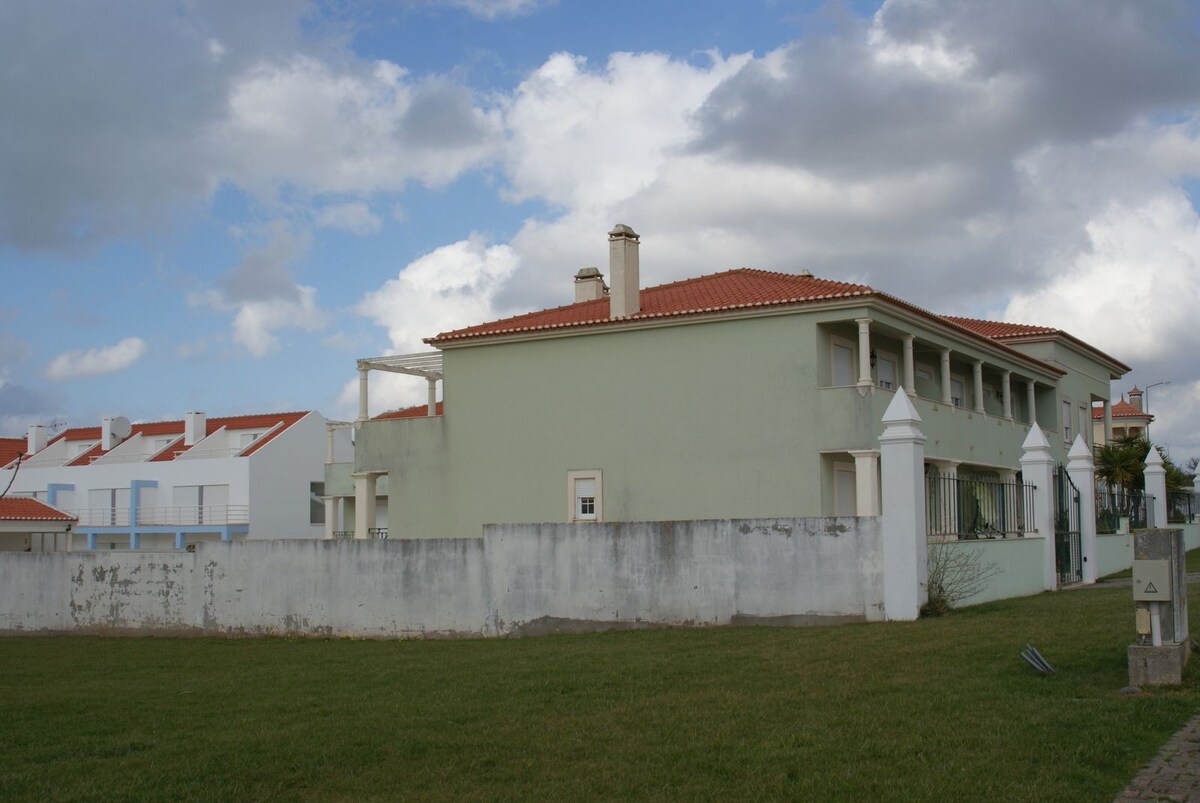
(625, 296)
(195, 427)
(589, 285)
(35, 439)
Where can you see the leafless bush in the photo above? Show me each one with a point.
(956, 572)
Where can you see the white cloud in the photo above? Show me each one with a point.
(94, 362)
(356, 218)
(491, 9)
(262, 294)
(1132, 291)
(256, 322)
(447, 288)
(305, 123)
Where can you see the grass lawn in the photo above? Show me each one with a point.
(940, 709)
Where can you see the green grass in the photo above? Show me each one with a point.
(1192, 564)
(940, 709)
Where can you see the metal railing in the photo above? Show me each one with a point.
(1181, 507)
(969, 509)
(1115, 504)
(176, 515)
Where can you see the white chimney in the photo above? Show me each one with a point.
(35, 441)
(113, 431)
(194, 427)
(589, 285)
(623, 298)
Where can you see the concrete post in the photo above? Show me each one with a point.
(364, 504)
(910, 371)
(977, 390)
(1107, 421)
(1156, 487)
(432, 409)
(331, 515)
(946, 393)
(1081, 470)
(864, 354)
(1031, 400)
(866, 479)
(905, 553)
(1037, 468)
(363, 413)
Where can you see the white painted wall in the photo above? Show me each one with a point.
(517, 579)
(280, 474)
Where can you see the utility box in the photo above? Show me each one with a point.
(1163, 642)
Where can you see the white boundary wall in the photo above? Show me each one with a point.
(517, 579)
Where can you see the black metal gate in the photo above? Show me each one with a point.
(1068, 547)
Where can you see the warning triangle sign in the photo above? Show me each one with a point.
(1150, 589)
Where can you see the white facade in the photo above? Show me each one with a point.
(155, 491)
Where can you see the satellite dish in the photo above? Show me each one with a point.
(121, 428)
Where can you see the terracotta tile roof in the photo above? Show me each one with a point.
(154, 429)
(733, 289)
(417, 411)
(1001, 332)
(998, 330)
(1122, 409)
(26, 508)
(11, 449)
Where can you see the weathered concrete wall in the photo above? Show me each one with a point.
(517, 579)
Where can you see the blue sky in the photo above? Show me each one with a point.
(219, 206)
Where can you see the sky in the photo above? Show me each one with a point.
(221, 205)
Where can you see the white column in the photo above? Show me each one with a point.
(1031, 400)
(432, 409)
(910, 371)
(1156, 486)
(946, 397)
(905, 551)
(866, 481)
(1037, 469)
(363, 414)
(1006, 390)
(864, 352)
(331, 514)
(1107, 421)
(1081, 470)
(364, 504)
(978, 389)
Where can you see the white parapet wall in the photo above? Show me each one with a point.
(517, 579)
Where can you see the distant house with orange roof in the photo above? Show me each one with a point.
(162, 485)
(28, 525)
(741, 394)
(1127, 417)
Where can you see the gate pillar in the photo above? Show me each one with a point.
(1081, 470)
(1037, 468)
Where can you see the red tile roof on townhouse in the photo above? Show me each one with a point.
(741, 288)
(26, 508)
(11, 449)
(1016, 331)
(416, 411)
(1122, 409)
(151, 429)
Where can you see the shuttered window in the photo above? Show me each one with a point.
(585, 498)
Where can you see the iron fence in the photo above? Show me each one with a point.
(969, 509)
(1115, 504)
(1181, 507)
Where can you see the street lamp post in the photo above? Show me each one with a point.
(1147, 394)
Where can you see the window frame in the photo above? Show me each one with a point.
(573, 476)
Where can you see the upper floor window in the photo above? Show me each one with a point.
(1066, 421)
(885, 371)
(957, 393)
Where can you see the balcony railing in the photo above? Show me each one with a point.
(173, 516)
(970, 509)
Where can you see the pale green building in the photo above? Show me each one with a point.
(742, 394)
